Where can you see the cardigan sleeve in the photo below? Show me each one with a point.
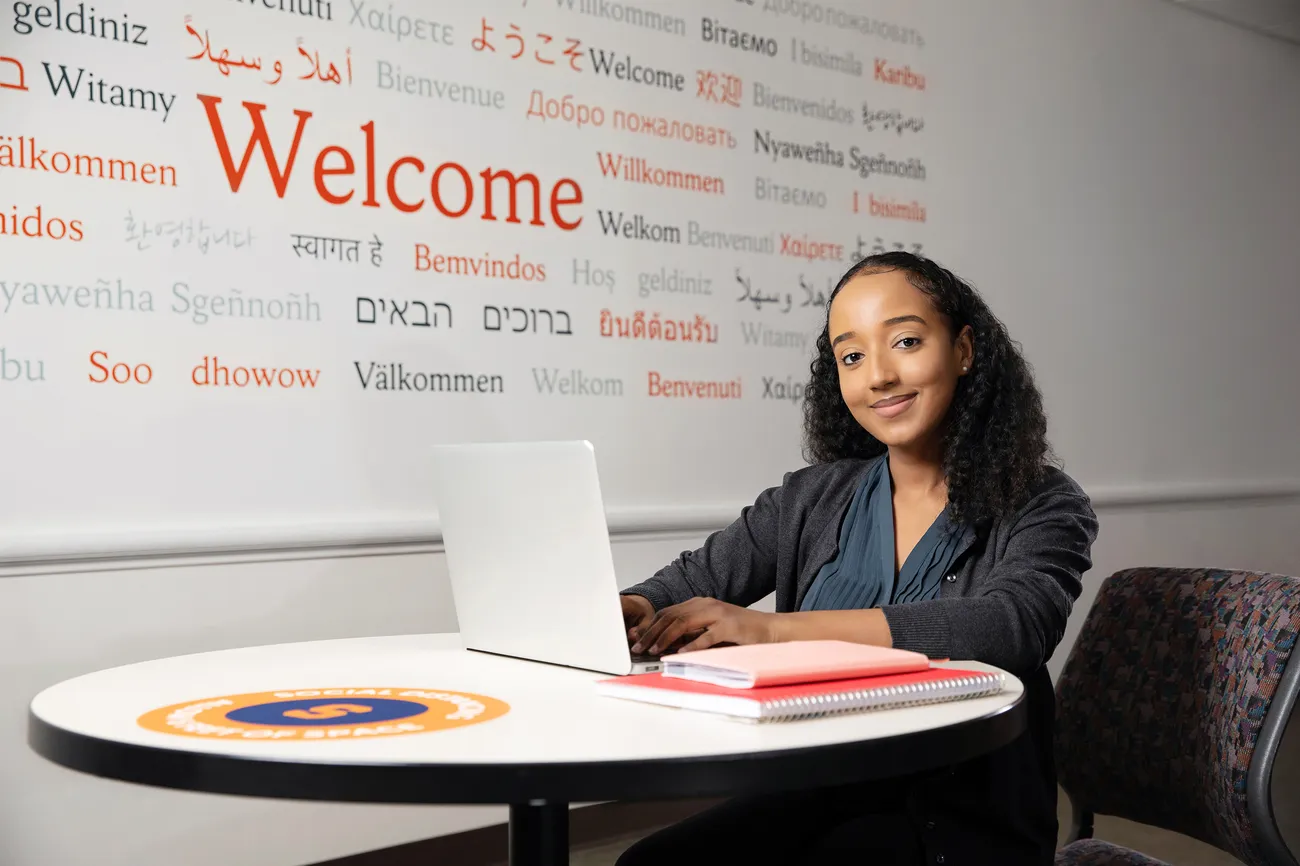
(736, 564)
(1015, 616)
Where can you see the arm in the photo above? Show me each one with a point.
(857, 626)
(735, 565)
(1018, 613)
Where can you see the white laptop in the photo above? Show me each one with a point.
(528, 554)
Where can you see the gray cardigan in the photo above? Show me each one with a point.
(1006, 602)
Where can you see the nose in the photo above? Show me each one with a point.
(881, 375)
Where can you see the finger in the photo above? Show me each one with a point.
(685, 638)
(678, 629)
(634, 612)
(645, 618)
(660, 622)
(662, 619)
(638, 629)
(708, 638)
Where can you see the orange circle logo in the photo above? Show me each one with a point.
(324, 714)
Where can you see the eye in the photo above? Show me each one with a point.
(908, 342)
(850, 358)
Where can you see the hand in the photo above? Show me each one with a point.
(637, 613)
(705, 622)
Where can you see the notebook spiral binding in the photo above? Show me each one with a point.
(916, 694)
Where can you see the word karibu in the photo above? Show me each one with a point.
(451, 189)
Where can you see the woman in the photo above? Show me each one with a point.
(929, 520)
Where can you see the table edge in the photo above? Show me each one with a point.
(573, 781)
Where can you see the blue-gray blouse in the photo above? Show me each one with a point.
(862, 573)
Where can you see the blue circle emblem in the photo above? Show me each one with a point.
(314, 712)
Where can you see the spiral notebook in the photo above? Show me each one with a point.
(807, 700)
(789, 663)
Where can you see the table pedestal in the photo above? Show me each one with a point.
(539, 833)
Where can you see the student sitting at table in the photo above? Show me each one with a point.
(930, 520)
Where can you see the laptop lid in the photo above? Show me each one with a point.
(528, 553)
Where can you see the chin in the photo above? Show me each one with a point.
(897, 440)
(891, 436)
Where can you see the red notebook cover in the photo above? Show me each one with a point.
(806, 700)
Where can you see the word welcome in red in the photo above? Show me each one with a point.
(451, 188)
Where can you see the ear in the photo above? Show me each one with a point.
(964, 347)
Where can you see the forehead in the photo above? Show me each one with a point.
(871, 299)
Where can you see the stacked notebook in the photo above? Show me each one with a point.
(800, 680)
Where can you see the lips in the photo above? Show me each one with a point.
(892, 407)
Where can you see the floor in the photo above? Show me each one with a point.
(1170, 847)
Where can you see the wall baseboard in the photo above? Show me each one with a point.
(49, 551)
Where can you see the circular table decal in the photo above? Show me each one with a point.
(324, 714)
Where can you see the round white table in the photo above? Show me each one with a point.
(417, 719)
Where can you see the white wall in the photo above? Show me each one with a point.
(1160, 311)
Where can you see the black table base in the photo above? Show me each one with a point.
(539, 833)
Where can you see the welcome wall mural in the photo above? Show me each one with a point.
(256, 256)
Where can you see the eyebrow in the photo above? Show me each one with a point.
(896, 320)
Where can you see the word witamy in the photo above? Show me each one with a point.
(117, 95)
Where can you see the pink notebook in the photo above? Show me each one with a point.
(808, 700)
(776, 664)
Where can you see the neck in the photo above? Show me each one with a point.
(917, 472)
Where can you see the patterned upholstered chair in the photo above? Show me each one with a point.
(1171, 707)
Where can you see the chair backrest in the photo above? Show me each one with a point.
(1173, 700)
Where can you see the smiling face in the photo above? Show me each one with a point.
(897, 360)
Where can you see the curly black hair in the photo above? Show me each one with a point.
(995, 441)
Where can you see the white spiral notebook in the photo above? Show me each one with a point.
(807, 700)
